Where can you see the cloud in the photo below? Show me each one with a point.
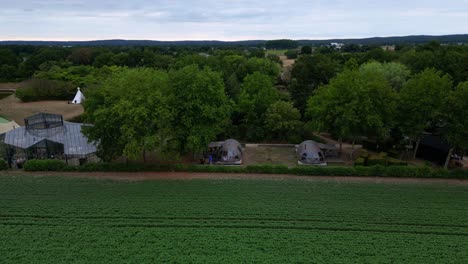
(228, 20)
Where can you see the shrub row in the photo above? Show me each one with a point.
(36, 90)
(380, 159)
(377, 171)
(3, 165)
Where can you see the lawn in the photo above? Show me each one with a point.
(276, 52)
(57, 220)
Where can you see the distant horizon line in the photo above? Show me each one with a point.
(220, 40)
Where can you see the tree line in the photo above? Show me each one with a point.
(178, 99)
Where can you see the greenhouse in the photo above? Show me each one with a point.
(47, 136)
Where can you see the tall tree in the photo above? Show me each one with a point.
(308, 73)
(354, 104)
(420, 103)
(129, 113)
(455, 119)
(200, 107)
(282, 120)
(256, 96)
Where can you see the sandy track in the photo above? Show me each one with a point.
(142, 176)
(13, 109)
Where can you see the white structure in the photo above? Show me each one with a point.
(7, 126)
(79, 97)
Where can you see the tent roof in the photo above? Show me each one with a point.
(5, 127)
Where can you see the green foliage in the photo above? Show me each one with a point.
(389, 168)
(44, 165)
(3, 165)
(199, 105)
(37, 90)
(421, 99)
(396, 74)
(281, 44)
(83, 76)
(455, 117)
(291, 54)
(282, 120)
(308, 73)
(256, 96)
(354, 104)
(263, 66)
(306, 50)
(129, 113)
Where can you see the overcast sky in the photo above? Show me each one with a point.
(228, 20)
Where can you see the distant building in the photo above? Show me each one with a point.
(388, 47)
(336, 45)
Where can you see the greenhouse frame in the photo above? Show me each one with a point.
(47, 136)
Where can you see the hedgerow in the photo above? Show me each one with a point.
(3, 165)
(373, 171)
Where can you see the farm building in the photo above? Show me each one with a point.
(229, 152)
(47, 136)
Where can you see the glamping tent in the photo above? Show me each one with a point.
(47, 136)
(79, 97)
(309, 153)
(227, 152)
(6, 125)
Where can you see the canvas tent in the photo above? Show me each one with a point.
(6, 125)
(47, 136)
(309, 153)
(229, 152)
(79, 97)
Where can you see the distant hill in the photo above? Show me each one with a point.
(460, 38)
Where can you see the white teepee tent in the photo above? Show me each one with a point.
(79, 97)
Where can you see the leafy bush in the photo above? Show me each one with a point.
(44, 165)
(376, 161)
(3, 165)
(358, 170)
(37, 90)
(360, 162)
(395, 162)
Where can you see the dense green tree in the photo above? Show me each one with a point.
(256, 96)
(306, 50)
(354, 104)
(421, 99)
(200, 107)
(104, 59)
(130, 114)
(308, 73)
(281, 44)
(455, 119)
(264, 66)
(396, 73)
(282, 120)
(82, 56)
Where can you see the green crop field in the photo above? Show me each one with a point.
(70, 220)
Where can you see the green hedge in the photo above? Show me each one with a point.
(44, 165)
(3, 165)
(372, 171)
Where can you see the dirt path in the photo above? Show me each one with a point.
(142, 176)
(13, 109)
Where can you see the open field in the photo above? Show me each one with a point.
(278, 52)
(13, 109)
(56, 219)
